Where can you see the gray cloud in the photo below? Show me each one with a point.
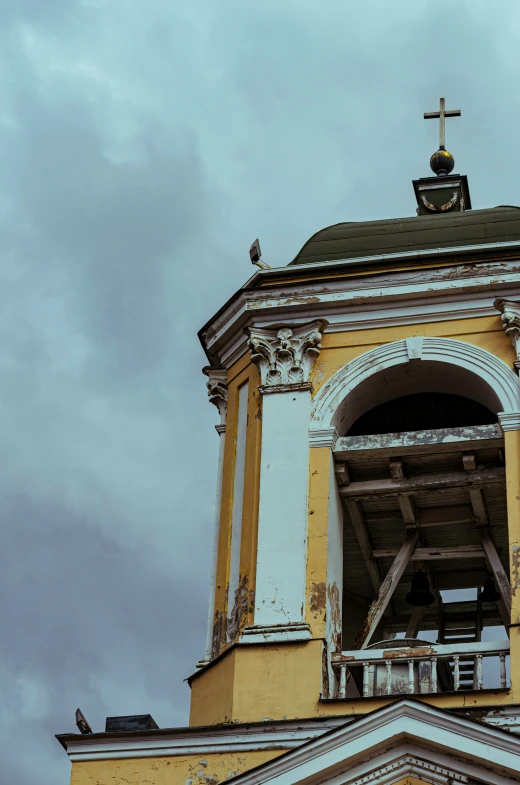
(142, 147)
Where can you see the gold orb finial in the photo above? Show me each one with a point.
(442, 162)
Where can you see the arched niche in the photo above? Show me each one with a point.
(414, 365)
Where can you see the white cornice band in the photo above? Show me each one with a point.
(509, 421)
(364, 302)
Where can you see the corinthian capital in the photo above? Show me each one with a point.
(285, 355)
(511, 322)
(217, 389)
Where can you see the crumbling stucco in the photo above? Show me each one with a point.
(243, 606)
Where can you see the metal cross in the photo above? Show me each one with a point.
(441, 115)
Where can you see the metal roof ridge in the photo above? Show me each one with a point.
(398, 255)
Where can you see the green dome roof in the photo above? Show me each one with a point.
(418, 233)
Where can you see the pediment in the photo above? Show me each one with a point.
(405, 743)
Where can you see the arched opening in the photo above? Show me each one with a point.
(436, 382)
(421, 475)
(420, 412)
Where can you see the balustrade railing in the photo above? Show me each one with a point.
(420, 669)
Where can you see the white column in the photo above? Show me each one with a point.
(285, 357)
(217, 394)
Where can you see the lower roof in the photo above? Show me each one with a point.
(401, 235)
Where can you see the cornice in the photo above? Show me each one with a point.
(282, 735)
(362, 302)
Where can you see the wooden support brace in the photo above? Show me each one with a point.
(342, 474)
(386, 591)
(396, 470)
(499, 574)
(407, 508)
(414, 625)
(365, 546)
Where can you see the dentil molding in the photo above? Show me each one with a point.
(285, 355)
(217, 389)
(510, 311)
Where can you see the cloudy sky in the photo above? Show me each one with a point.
(143, 145)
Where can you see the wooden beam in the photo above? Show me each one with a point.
(407, 508)
(365, 546)
(423, 483)
(414, 625)
(396, 470)
(475, 494)
(436, 554)
(342, 474)
(478, 506)
(427, 517)
(386, 591)
(477, 437)
(469, 462)
(499, 574)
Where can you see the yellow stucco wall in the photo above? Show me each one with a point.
(241, 373)
(172, 770)
(285, 680)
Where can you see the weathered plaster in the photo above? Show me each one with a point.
(174, 770)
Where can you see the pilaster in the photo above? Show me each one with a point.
(511, 426)
(510, 311)
(285, 356)
(218, 395)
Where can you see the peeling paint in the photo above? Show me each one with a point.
(515, 572)
(197, 774)
(243, 606)
(317, 600)
(334, 606)
(219, 633)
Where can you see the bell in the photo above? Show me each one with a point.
(489, 592)
(420, 594)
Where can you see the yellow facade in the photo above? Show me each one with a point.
(270, 682)
(261, 681)
(172, 770)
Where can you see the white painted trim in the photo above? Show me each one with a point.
(238, 499)
(509, 421)
(200, 741)
(276, 633)
(374, 302)
(407, 765)
(221, 430)
(326, 437)
(235, 738)
(434, 730)
(493, 371)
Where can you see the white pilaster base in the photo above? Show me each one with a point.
(276, 633)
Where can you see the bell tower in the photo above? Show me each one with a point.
(364, 610)
(367, 521)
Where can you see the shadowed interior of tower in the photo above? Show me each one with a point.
(421, 478)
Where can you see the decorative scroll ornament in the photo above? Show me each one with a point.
(511, 322)
(444, 208)
(217, 389)
(286, 355)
